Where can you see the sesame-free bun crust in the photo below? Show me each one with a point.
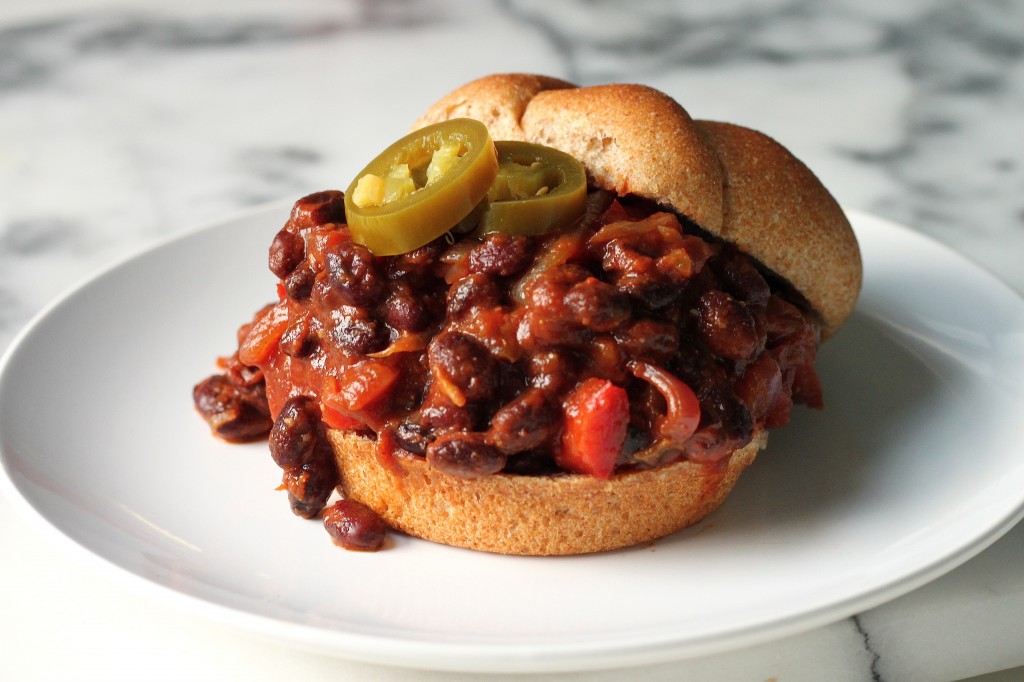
(535, 515)
(734, 182)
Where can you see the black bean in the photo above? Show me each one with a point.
(501, 254)
(286, 252)
(761, 390)
(299, 284)
(550, 290)
(719, 402)
(353, 525)
(743, 280)
(439, 414)
(552, 371)
(472, 291)
(412, 437)
(353, 275)
(406, 311)
(310, 485)
(465, 363)
(319, 208)
(357, 334)
(233, 412)
(416, 267)
(648, 339)
(522, 424)
(548, 322)
(654, 291)
(598, 305)
(295, 434)
(466, 455)
(728, 328)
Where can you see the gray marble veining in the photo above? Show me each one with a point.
(122, 124)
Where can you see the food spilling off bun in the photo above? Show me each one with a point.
(566, 330)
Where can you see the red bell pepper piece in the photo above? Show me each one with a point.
(596, 417)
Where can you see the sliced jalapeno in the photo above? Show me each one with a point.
(537, 189)
(421, 186)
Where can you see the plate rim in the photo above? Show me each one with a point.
(473, 656)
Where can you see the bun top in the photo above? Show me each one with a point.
(735, 183)
(778, 211)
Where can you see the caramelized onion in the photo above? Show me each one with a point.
(683, 409)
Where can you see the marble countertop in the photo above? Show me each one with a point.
(124, 122)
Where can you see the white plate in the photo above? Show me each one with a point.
(914, 467)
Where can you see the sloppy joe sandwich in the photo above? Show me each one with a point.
(549, 320)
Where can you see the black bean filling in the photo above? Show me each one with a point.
(465, 350)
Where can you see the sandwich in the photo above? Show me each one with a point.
(549, 320)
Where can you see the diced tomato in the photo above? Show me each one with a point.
(596, 417)
(365, 383)
(262, 337)
(277, 372)
(336, 416)
(347, 403)
(287, 377)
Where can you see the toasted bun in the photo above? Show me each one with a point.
(733, 182)
(535, 515)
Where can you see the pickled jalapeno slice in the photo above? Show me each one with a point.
(421, 186)
(537, 190)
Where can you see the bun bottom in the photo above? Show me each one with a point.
(535, 515)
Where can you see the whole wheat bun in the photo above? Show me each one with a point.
(535, 515)
(735, 183)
